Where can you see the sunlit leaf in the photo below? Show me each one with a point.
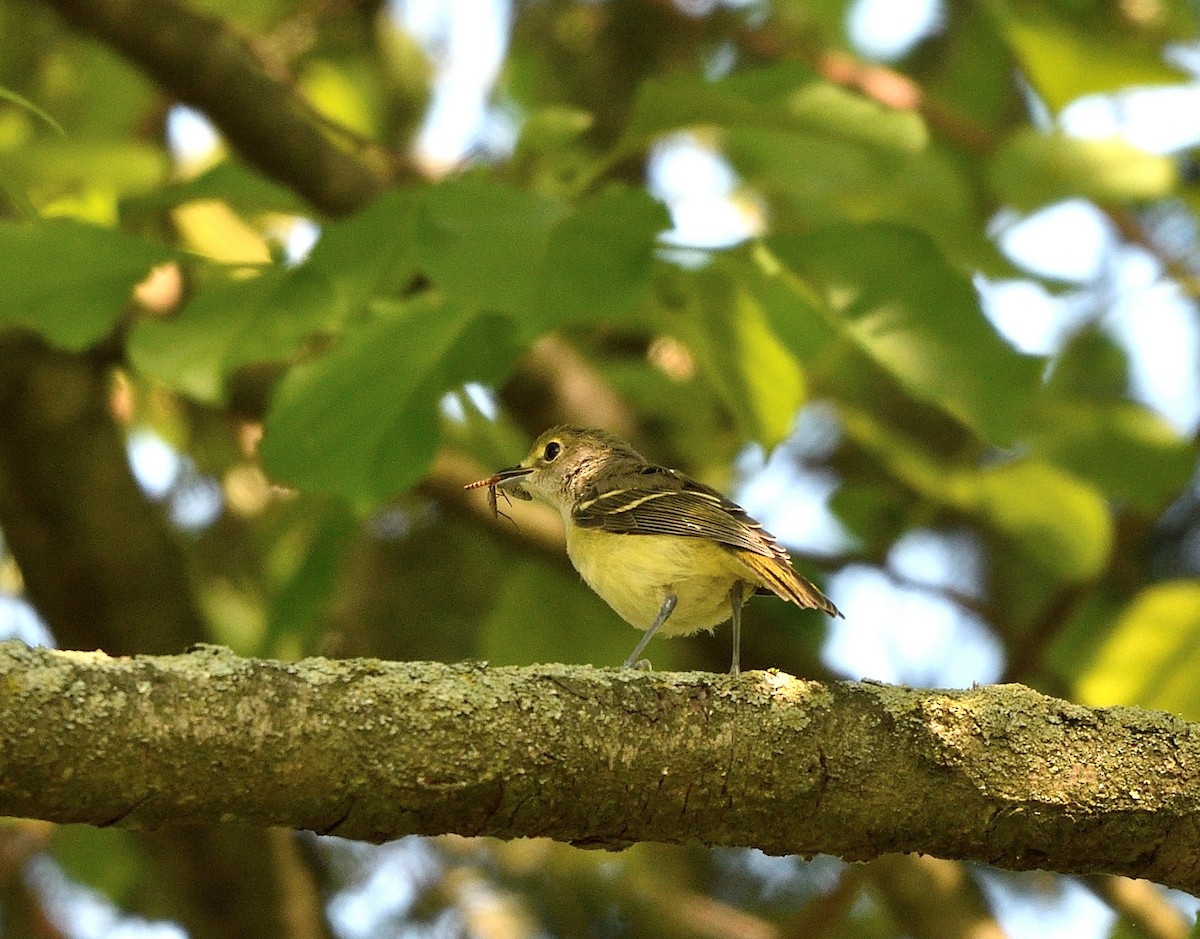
(1151, 658)
(810, 179)
(1034, 169)
(1059, 522)
(783, 97)
(229, 181)
(119, 166)
(7, 94)
(919, 318)
(1054, 520)
(69, 281)
(756, 376)
(1129, 451)
(362, 421)
(1063, 64)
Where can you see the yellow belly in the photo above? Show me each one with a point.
(635, 573)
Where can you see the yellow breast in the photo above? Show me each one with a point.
(635, 573)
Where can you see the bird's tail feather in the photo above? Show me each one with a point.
(778, 577)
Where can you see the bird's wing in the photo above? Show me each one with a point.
(669, 503)
(659, 501)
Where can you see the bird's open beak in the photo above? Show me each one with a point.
(507, 480)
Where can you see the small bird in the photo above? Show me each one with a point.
(667, 553)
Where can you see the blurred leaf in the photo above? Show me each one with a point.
(545, 613)
(483, 244)
(105, 859)
(121, 166)
(229, 181)
(307, 559)
(1033, 169)
(1151, 658)
(230, 324)
(1063, 64)
(1057, 522)
(1127, 450)
(813, 180)
(7, 94)
(551, 128)
(338, 97)
(598, 258)
(362, 421)
(919, 318)
(783, 97)
(1091, 366)
(70, 282)
(369, 253)
(756, 377)
(212, 229)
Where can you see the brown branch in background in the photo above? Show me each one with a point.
(933, 898)
(102, 569)
(539, 527)
(196, 58)
(1142, 904)
(97, 560)
(555, 384)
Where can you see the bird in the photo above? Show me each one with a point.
(669, 554)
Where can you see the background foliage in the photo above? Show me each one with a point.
(302, 422)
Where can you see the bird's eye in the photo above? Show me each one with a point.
(553, 449)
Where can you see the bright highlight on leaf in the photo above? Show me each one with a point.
(1151, 657)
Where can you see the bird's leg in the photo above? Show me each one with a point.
(736, 599)
(664, 611)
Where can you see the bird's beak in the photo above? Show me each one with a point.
(507, 480)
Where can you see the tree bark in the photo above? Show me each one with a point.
(375, 750)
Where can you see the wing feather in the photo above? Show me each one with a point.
(659, 501)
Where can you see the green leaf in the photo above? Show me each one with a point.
(783, 97)
(68, 281)
(483, 244)
(230, 324)
(918, 318)
(109, 860)
(229, 181)
(571, 624)
(1057, 521)
(811, 180)
(1127, 450)
(1063, 64)
(115, 166)
(599, 259)
(370, 253)
(362, 421)
(12, 97)
(1151, 658)
(1054, 520)
(756, 377)
(1033, 169)
(305, 564)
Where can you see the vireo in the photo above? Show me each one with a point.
(667, 553)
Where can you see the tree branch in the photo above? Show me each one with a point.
(374, 750)
(197, 58)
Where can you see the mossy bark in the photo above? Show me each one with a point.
(374, 750)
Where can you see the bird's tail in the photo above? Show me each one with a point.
(777, 575)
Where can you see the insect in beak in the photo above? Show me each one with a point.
(503, 483)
